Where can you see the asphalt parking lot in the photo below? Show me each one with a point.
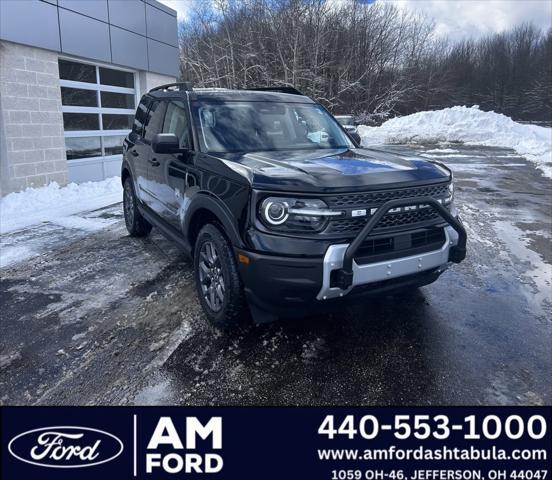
(96, 317)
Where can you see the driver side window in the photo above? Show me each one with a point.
(176, 121)
(153, 121)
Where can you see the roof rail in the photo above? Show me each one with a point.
(186, 86)
(290, 90)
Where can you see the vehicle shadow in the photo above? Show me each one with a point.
(379, 352)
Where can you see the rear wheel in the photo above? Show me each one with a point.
(136, 224)
(217, 279)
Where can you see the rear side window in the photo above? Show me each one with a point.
(141, 116)
(153, 120)
(176, 121)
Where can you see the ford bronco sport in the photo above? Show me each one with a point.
(280, 209)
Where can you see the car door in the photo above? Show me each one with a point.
(152, 184)
(175, 170)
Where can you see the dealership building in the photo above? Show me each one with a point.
(71, 75)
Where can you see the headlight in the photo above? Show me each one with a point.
(275, 212)
(295, 215)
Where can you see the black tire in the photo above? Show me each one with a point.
(136, 224)
(219, 276)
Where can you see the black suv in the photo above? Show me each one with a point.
(279, 207)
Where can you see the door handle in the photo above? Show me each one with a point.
(154, 162)
(134, 153)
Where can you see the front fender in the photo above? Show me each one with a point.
(125, 165)
(203, 200)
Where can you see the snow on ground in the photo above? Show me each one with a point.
(14, 254)
(450, 155)
(442, 151)
(34, 241)
(53, 203)
(466, 125)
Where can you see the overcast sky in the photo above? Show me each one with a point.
(456, 18)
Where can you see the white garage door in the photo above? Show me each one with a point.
(98, 104)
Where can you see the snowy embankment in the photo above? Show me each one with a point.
(52, 202)
(466, 125)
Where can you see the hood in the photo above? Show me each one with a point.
(333, 170)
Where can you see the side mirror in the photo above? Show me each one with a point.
(165, 143)
(355, 136)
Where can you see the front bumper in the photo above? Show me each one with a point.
(381, 271)
(287, 285)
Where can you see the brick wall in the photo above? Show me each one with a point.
(32, 146)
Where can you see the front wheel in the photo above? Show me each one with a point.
(217, 279)
(135, 223)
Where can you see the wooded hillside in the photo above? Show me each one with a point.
(372, 60)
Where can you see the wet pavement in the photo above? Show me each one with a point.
(92, 316)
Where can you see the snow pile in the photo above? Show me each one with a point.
(466, 125)
(36, 205)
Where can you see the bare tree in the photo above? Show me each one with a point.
(374, 59)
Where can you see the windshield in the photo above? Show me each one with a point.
(257, 126)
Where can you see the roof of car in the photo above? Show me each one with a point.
(226, 94)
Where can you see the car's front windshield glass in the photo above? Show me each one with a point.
(258, 126)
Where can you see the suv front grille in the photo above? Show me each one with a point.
(377, 198)
(391, 221)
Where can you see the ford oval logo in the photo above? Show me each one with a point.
(65, 447)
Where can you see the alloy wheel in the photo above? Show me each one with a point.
(128, 203)
(211, 277)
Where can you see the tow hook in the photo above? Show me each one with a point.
(344, 279)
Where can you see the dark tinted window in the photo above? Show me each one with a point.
(176, 122)
(141, 115)
(78, 72)
(82, 147)
(154, 120)
(117, 100)
(113, 145)
(116, 78)
(79, 97)
(81, 121)
(116, 122)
